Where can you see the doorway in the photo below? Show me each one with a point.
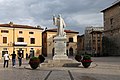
(53, 52)
(71, 51)
(3, 52)
(20, 51)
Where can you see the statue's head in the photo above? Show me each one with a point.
(53, 15)
(59, 15)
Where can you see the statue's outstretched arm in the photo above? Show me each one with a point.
(54, 20)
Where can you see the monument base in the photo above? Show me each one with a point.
(60, 48)
(60, 63)
(60, 57)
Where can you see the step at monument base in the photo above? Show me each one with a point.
(60, 57)
(60, 63)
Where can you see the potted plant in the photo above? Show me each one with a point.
(34, 62)
(86, 61)
(78, 57)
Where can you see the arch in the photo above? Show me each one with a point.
(71, 51)
(53, 51)
(67, 52)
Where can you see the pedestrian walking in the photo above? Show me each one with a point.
(13, 59)
(20, 58)
(31, 53)
(6, 59)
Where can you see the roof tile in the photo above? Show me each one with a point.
(19, 26)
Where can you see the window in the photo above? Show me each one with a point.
(20, 32)
(4, 31)
(5, 49)
(4, 40)
(79, 44)
(111, 33)
(98, 40)
(70, 39)
(20, 39)
(111, 21)
(32, 40)
(31, 32)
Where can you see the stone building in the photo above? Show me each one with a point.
(80, 44)
(96, 42)
(112, 29)
(20, 38)
(93, 40)
(48, 40)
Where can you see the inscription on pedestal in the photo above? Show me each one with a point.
(60, 47)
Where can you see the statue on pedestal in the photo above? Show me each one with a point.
(60, 39)
(58, 21)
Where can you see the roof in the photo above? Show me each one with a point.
(55, 30)
(80, 35)
(11, 25)
(95, 32)
(116, 3)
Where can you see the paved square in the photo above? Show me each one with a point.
(103, 68)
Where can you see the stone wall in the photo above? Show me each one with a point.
(112, 29)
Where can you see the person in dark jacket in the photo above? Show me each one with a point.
(20, 58)
(13, 59)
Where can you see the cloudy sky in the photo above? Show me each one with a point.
(77, 13)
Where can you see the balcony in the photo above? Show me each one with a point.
(20, 44)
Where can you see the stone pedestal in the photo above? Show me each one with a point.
(60, 48)
(60, 63)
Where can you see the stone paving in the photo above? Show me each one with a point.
(103, 68)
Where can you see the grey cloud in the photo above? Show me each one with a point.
(77, 13)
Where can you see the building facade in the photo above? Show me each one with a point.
(93, 40)
(96, 43)
(48, 42)
(80, 44)
(112, 28)
(18, 38)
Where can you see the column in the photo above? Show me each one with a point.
(100, 42)
(96, 47)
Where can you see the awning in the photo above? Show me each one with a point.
(20, 44)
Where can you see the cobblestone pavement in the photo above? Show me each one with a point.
(103, 68)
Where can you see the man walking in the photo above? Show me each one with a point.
(6, 59)
(20, 58)
(13, 59)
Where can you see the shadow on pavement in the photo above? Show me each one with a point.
(71, 64)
